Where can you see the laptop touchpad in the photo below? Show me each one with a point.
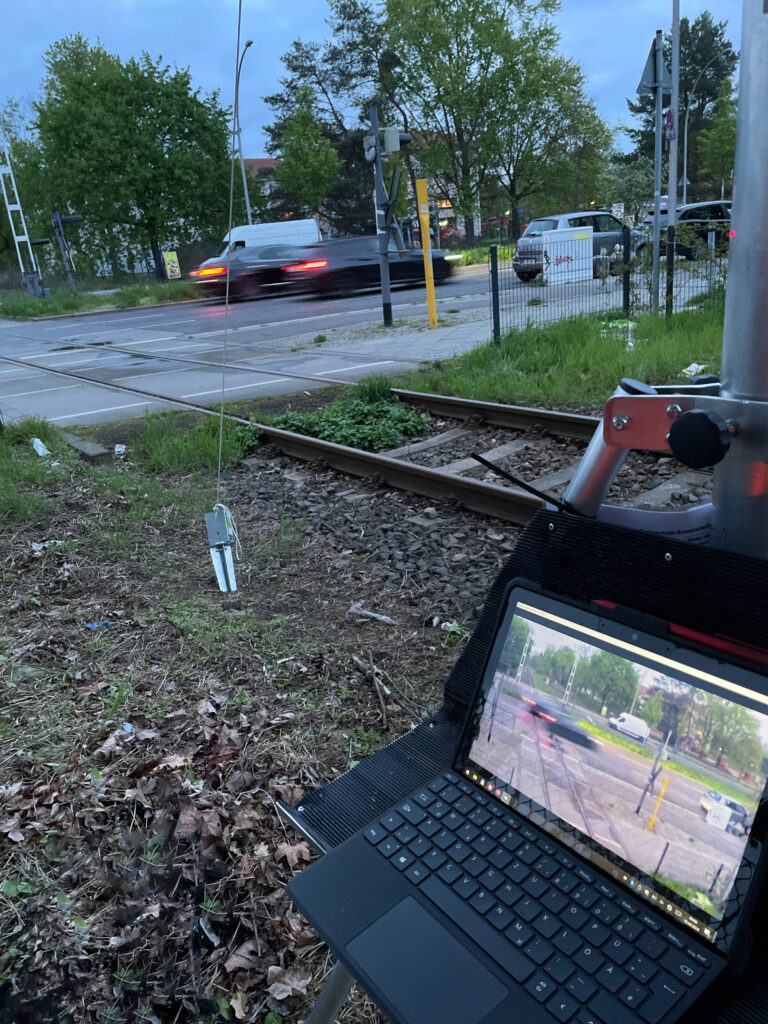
(422, 970)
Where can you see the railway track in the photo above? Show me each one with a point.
(542, 439)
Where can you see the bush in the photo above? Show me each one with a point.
(358, 423)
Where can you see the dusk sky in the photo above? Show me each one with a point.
(609, 39)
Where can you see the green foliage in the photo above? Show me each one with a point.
(607, 680)
(576, 360)
(718, 145)
(168, 446)
(212, 632)
(480, 254)
(15, 305)
(372, 425)
(309, 163)
(129, 145)
(555, 664)
(707, 58)
(651, 712)
(376, 388)
(514, 644)
(628, 179)
(23, 473)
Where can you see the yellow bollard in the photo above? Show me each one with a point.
(662, 791)
(422, 201)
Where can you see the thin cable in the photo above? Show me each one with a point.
(235, 114)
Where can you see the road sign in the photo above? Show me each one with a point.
(519, 211)
(648, 81)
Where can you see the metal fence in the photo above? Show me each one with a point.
(561, 280)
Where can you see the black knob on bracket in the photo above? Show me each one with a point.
(699, 438)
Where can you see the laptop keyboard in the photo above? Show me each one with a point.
(578, 945)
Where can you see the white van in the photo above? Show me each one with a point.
(631, 725)
(281, 232)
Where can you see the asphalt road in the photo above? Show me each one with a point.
(177, 350)
(598, 789)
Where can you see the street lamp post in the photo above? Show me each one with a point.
(248, 43)
(689, 96)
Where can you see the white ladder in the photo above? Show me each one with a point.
(27, 262)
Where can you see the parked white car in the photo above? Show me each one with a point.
(631, 725)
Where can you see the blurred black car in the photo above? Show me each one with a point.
(694, 222)
(344, 265)
(558, 722)
(254, 272)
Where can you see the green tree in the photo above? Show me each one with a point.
(608, 679)
(651, 711)
(133, 148)
(514, 644)
(628, 179)
(556, 664)
(718, 144)
(704, 51)
(550, 143)
(309, 164)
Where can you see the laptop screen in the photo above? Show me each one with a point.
(649, 760)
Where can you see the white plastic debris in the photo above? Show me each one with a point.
(693, 369)
(39, 447)
(357, 609)
(120, 449)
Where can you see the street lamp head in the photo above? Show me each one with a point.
(248, 42)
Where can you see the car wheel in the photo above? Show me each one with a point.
(526, 276)
(251, 288)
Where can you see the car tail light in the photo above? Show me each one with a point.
(309, 265)
(732, 233)
(211, 271)
(548, 718)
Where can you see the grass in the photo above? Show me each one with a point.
(23, 473)
(170, 444)
(481, 254)
(710, 781)
(367, 416)
(694, 895)
(208, 628)
(569, 361)
(14, 305)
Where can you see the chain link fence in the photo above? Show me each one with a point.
(562, 279)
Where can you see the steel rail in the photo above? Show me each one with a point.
(516, 417)
(506, 503)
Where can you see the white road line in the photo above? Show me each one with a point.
(357, 366)
(42, 391)
(155, 373)
(239, 387)
(148, 341)
(93, 412)
(7, 373)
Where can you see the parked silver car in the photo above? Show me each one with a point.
(606, 235)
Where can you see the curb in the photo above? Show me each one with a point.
(101, 312)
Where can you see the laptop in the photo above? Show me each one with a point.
(593, 853)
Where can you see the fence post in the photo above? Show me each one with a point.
(670, 269)
(495, 293)
(626, 239)
(711, 269)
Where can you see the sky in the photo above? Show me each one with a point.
(609, 38)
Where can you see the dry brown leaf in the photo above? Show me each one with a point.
(238, 1005)
(244, 958)
(211, 823)
(293, 853)
(285, 983)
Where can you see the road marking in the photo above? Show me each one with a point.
(148, 341)
(42, 391)
(357, 366)
(239, 387)
(109, 408)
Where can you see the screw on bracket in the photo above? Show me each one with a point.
(620, 421)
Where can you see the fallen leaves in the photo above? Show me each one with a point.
(284, 983)
(293, 853)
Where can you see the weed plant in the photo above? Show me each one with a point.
(169, 445)
(23, 473)
(578, 360)
(368, 416)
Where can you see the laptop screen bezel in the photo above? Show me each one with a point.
(625, 629)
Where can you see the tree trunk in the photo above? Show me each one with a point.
(157, 257)
(469, 229)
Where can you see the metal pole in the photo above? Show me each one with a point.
(626, 239)
(332, 997)
(658, 64)
(248, 43)
(740, 521)
(380, 198)
(494, 253)
(689, 97)
(672, 170)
